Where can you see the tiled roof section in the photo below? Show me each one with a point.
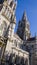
(31, 39)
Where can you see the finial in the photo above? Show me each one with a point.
(24, 16)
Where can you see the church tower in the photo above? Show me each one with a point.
(24, 28)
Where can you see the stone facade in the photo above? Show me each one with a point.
(7, 24)
(10, 43)
(31, 47)
(16, 48)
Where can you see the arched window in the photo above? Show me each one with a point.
(15, 43)
(3, 9)
(11, 4)
(22, 60)
(3, 28)
(9, 1)
(17, 60)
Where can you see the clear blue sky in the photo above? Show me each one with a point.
(30, 6)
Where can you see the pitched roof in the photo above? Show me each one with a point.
(31, 39)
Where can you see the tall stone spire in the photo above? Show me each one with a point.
(27, 26)
(24, 28)
(24, 16)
